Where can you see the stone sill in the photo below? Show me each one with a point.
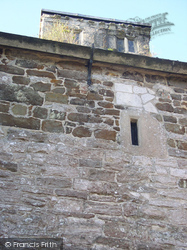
(103, 56)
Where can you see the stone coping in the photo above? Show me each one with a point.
(100, 55)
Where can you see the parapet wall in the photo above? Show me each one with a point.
(103, 33)
(68, 167)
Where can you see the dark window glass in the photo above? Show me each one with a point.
(134, 132)
(120, 45)
(131, 45)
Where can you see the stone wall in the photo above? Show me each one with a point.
(103, 33)
(67, 164)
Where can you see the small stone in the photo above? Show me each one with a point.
(59, 90)
(165, 99)
(184, 104)
(171, 143)
(21, 80)
(52, 181)
(68, 83)
(29, 123)
(83, 109)
(71, 124)
(109, 121)
(19, 109)
(68, 130)
(82, 132)
(116, 128)
(180, 110)
(112, 112)
(177, 153)
(4, 107)
(51, 68)
(8, 166)
(77, 117)
(106, 104)
(56, 82)
(74, 93)
(175, 97)
(109, 99)
(171, 119)
(117, 123)
(39, 73)
(57, 115)
(182, 145)
(120, 107)
(179, 90)
(18, 93)
(71, 193)
(56, 97)
(174, 128)
(72, 74)
(138, 77)
(26, 63)
(90, 104)
(177, 103)
(90, 163)
(11, 69)
(154, 79)
(94, 96)
(133, 76)
(108, 84)
(105, 134)
(106, 92)
(40, 112)
(111, 242)
(165, 107)
(185, 97)
(26, 135)
(77, 101)
(95, 119)
(182, 183)
(42, 87)
(98, 111)
(95, 174)
(52, 126)
(183, 121)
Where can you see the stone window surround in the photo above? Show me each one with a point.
(151, 136)
(126, 39)
(134, 132)
(126, 46)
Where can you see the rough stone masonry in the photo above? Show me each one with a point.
(68, 168)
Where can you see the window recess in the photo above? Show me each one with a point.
(131, 46)
(120, 45)
(134, 132)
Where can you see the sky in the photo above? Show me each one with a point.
(22, 17)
